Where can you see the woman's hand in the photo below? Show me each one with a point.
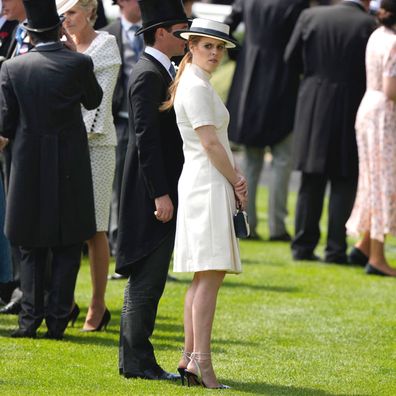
(241, 192)
(69, 43)
(3, 142)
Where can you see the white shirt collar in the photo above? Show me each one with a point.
(47, 43)
(126, 25)
(2, 21)
(160, 56)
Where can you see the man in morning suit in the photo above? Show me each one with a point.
(328, 46)
(262, 101)
(131, 47)
(50, 207)
(153, 165)
(13, 11)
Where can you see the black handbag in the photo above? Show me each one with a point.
(241, 225)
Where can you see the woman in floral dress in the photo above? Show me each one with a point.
(374, 211)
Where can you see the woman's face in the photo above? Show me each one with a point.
(76, 19)
(207, 53)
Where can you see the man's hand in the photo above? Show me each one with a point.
(3, 142)
(164, 208)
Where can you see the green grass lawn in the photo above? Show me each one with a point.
(281, 328)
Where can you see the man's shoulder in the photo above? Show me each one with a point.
(113, 27)
(63, 55)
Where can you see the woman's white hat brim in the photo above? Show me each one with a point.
(208, 28)
(63, 6)
(185, 34)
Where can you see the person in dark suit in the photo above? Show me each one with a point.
(153, 165)
(6, 31)
(101, 20)
(131, 47)
(262, 101)
(328, 46)
(50, 207)
(13, 11)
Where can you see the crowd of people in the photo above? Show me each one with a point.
(105, 143)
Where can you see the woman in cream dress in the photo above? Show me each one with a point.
(80, 15)
(210, 188)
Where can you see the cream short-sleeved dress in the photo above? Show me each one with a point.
(205, 236)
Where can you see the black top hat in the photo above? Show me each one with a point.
(41, 15)
(156, 13)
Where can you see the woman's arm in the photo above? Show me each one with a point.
(389, 84)
(219, 158)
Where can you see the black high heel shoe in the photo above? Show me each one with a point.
(103, 323)
(182, 370)
(195, 379)
(73, 315)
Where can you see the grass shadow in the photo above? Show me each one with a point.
(263, 388)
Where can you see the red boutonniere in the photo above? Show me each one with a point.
(4, 35)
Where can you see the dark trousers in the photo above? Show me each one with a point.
(6, 289)
(122, 130)
(309, 210)
(64, 266)
(142, 294)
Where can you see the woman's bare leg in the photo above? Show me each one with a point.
(99, 258)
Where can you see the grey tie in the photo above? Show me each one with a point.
(135, 41)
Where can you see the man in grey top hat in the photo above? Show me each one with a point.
(153, 165)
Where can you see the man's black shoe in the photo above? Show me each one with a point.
(157, 374)
(280, 238)
(336, 260)
(12, 308)
(20, 333)
(116, 276)
(306, 257)
(53, 336)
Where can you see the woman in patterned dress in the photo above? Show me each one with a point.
(209, 189)
(80, 16)
(374, 211)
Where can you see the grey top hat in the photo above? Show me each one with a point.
(208, 28)
(157, 13)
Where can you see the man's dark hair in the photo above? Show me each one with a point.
(45, 37)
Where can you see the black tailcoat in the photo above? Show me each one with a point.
(328, 45)
(153, 164)
(263, 92)
(50, 197)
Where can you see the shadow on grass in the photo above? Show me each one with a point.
(263, 388)
(227, 284)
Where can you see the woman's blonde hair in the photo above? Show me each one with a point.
(168, 104)
(92, 6)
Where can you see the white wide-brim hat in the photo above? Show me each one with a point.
(63, 6)
(208, 28)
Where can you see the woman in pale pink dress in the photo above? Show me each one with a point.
(374, 211)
